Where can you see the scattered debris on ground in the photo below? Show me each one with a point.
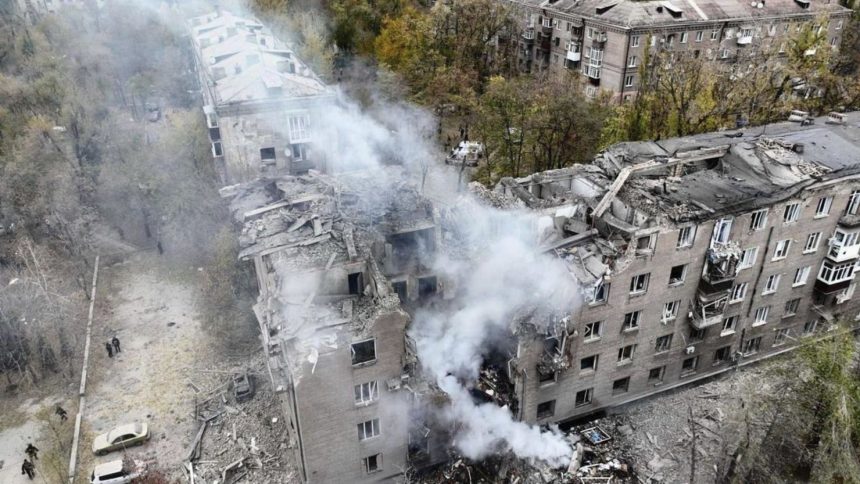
(236, 440)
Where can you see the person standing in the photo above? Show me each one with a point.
(109, 349)
(32, 451)
(115, 343)
(28, 468)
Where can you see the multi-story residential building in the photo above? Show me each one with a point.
(333, 266)
(258, 97)
(695, 255)
(692, 256)
(608, 41)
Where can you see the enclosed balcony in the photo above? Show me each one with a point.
(574, 56)
(844, 246)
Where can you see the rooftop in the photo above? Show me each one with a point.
(631, 13)
(245, 62)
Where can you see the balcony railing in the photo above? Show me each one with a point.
(574, 56)
(745, 40)
(842, 253)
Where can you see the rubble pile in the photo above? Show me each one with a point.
(239, 440)
(658, 438)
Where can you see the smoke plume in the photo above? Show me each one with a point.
(504, 275)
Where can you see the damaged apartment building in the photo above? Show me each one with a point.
(258, 98)
(693, 256)
(608, 41)
(337, 259)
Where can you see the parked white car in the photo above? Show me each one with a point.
(115, 472)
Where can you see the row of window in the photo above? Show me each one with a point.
(729, 33)
(364, 353)
(656, 375)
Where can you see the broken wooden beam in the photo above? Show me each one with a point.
(192, 452)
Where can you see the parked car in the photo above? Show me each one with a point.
(468, 153)
(243, 386)
(116, 472)
(120, 438)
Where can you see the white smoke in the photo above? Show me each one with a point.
(505, 275)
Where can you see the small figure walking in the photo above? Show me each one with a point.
(28, 468)
(62, 413)
(109, 349)
(32, 451)
(115, 343)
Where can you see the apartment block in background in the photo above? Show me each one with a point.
(607, 41)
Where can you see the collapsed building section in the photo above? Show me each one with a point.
(336, 260)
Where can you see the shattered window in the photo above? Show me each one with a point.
(853, 203)
(621, 385)
(780, 336)
(639, 283)
(729, 325)
(670, 310)
(631, 320)
(824, 205)
(655, 375)
(722, 355)
(722, 229)
(686, 236)
(366, 393)
(748, 257)
(645, 243)
(583, 397)
(677, 274)
(791, 307)
(363, 352)
(758, 219)
(267, 154)
(698, 334)
(589, 363)
(800, 276)
(373, 463)
(601, 293)
(791, 212)
(546, 409)
(809, 327)
(781, 250)
(771, 284)
(592, 331)
(812, 241)
(663, 343)
(751, 346)
(739, 292)
(689, 365)
(625, 354)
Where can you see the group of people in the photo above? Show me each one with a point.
(29, 466)
(112, 347)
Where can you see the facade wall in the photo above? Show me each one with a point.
(719, 41)
(328, 415)
(665, 256)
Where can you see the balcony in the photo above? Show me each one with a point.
(529, 35)
(574, 56)
(721, 267)
(592, 72)
(842, 253)
(708, 310)
(546, 27)
(833, 276)
(745, 40)
(599, 38)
